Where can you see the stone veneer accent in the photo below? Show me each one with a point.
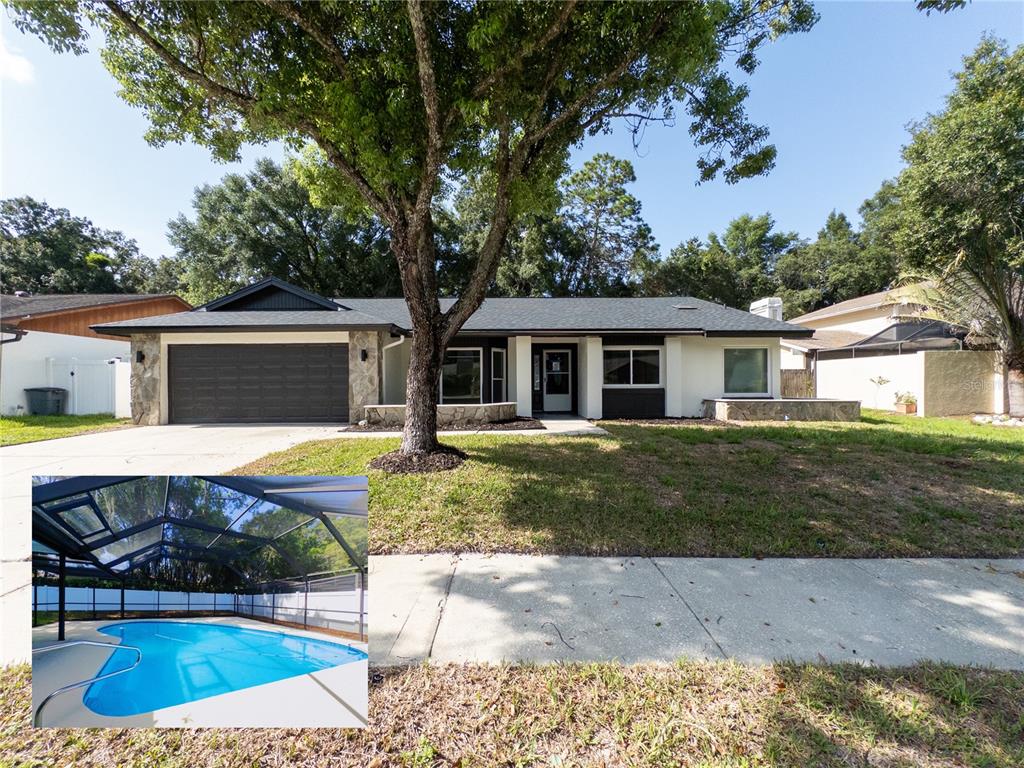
(145, 386)
(779, 410)
(485, 413)
(364, 377)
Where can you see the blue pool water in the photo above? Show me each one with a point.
(184, 661)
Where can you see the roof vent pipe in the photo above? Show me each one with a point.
(770, 307)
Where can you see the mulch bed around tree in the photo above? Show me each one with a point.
(517, 423)
(396, 462)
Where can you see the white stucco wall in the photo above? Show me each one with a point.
(396, 368)
(699, 373)
(791, 359)
(850, 379)
(247, 337)
(24, 364)
(946, 382)
(591, 370)
(523, 375)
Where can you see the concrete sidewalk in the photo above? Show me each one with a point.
(480, 608)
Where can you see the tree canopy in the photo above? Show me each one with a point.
(262, 224)
(585, 237)
(47, 250)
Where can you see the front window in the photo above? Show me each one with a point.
(497, 375)
(461, 376)
(632, 367)
(746, 371)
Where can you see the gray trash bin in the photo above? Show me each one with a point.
(46, 401)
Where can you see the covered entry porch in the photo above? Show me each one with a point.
(589, 375)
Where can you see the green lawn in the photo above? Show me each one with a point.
(31, 429)
(886, 486)
(713, 714)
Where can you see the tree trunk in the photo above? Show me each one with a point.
(1015, 392)
(421, 393)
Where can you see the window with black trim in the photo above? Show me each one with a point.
(632, 367)
(498, 375)
(462, 376)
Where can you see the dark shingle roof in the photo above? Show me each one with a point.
(593, 314)
(519, 315)
(250, 319)
(829, 339)
(21, 306)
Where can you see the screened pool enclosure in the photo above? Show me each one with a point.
(282, 549)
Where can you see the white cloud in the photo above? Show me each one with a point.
(14, 66)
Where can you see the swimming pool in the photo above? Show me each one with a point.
(188, 661)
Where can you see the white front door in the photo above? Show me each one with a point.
(557, 380)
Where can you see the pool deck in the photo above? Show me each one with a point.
(331, 698)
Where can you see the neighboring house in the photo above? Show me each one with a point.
(48, 342)
(873, 347)
(275, 353)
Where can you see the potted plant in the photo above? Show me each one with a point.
(906, 402)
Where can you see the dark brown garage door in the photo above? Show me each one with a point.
(210, 383)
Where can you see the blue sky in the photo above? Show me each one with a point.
(837, 99)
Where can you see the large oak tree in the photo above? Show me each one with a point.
(401, 99)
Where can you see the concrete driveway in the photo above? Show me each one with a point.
(166, 450)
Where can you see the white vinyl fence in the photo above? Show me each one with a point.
(101, 600)
(337, 604)
(91, 384)
(41, 359)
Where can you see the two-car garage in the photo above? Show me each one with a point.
(264, 383)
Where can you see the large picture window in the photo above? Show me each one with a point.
(640, 367)
(462, 376)
(746, 371)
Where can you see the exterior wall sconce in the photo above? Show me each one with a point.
(362, 355)
(140, 356)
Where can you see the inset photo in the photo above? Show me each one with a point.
(199, 602)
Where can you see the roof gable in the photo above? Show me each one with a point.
(271, 295)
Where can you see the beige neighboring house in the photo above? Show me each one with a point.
(873, 347)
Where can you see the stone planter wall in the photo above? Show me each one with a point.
(782, 410)
(447, 415)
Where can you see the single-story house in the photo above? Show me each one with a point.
(47, 341)
(273, 352)
(874, 347)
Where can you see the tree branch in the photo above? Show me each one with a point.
(490, 252)
(241, 101)
(293, 13)
(245, 104)
(531, 141)
(425, 67)
(542, 42)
